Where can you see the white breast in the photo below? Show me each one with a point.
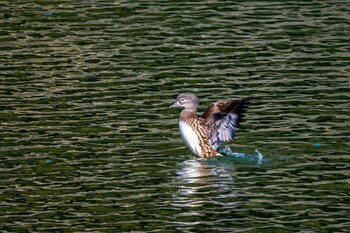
(190, 137)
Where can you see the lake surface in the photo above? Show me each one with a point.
(88, 142)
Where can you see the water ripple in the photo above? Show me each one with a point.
(88, 141)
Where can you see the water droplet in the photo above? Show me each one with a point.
(47, 13)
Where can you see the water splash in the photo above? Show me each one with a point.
(237, 157)
(257, 158)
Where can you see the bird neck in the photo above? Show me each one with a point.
(187, 114)
(189, 111)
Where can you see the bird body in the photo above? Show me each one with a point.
(195, 135)
(204, 134)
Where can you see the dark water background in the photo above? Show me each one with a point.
(88, 143)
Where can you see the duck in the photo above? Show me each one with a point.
(204, 134)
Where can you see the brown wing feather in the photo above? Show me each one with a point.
(228, 106)
(213, 108)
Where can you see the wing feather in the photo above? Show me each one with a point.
(221, 119)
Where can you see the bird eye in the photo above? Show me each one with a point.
(182, 99)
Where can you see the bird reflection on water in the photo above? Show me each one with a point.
(200, 180)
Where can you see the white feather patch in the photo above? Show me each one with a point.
(190, 137)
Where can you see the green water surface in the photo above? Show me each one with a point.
(88, 142)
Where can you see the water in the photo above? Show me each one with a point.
(88, 142)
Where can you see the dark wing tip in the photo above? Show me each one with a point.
(246, 100)
(240, 107)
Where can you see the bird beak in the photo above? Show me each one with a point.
(175, 105)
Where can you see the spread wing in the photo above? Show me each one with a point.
(221, 118)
